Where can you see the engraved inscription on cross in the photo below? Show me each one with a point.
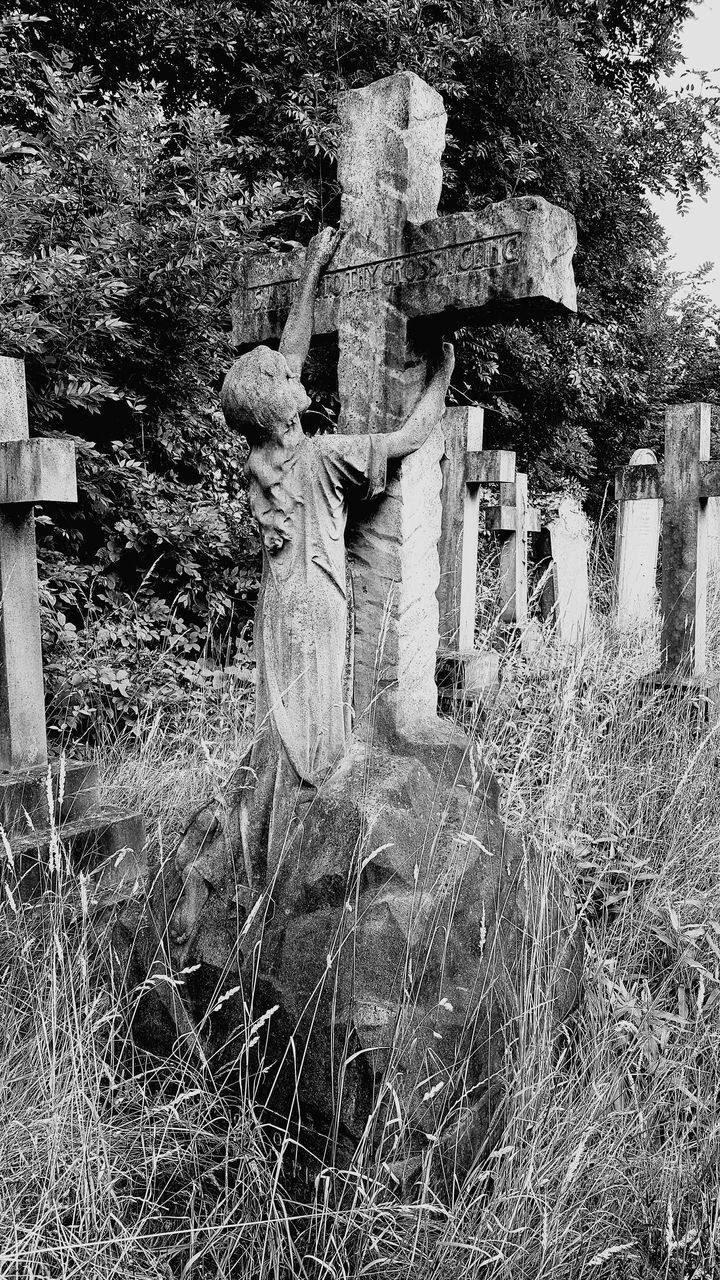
(30, 471)
(401, 277)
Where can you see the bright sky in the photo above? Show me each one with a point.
(695, 237)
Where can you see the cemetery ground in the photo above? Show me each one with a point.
(608, 1164)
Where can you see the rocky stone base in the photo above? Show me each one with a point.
(370, 993)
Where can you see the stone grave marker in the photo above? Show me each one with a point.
(465, 466)
(566, 595)
(713, 517)
(514, 520)
(637, 541)
(403, 976)
(684, 482)
(33, 471)
(401, 277)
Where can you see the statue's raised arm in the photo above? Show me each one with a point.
(297, 334)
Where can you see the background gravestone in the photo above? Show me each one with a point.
(685, 482)
(713, 518)
(33, 471)
(637, 541)
(513, 520)
(566, 596)
(470, 674)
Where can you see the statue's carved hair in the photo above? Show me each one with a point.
(251, 395)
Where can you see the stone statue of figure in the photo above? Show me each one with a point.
(299, 491)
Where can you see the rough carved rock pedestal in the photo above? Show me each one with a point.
(392, 948)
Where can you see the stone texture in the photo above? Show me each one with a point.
(637, 542)
(393, 135)
(683, 643)
(107, 846)
(514, 257)
(458, 550)
(401, 275)
(713, 520)
(30, 471)
(392, 948)
(513, 520)
(24, 796)
(686, 483)
(37, 471)
(566, 597)
(22, 704)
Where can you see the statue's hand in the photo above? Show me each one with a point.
(322, 247)
(447, 363)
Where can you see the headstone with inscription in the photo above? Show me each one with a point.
(566, 596)
(685, 483)
(637, 542)
(40, 471)
(387, 941)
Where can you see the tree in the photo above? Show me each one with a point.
(145, 145)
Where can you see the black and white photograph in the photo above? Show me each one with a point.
(360, 640)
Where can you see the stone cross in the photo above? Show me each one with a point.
(30, 471)
(637, 541)
(465, 466)
(684, 483)
(471, 673)
(513, 520)
(713, 515)
(400, 278)
(566, 597)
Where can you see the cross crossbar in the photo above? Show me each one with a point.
(490, 466)
(37, 471)
(463, 267)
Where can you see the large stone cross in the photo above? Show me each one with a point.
(30, 471)
(400, 278)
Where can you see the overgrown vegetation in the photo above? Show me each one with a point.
(144, 147)
(608, 1166)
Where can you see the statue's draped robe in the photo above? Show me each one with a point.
(303, 643)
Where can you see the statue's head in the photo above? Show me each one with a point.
(262, 399)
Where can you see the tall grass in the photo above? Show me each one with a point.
(113, 1165)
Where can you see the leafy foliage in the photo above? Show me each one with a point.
(143, 146)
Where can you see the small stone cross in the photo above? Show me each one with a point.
(685, 482)
(513, 519)
(465, 466)
(30, 471)
(401, 277)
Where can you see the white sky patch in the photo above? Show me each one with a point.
(695, 237)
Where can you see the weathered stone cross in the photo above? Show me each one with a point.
(685, 483)
(30, 471)
(400, 278)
